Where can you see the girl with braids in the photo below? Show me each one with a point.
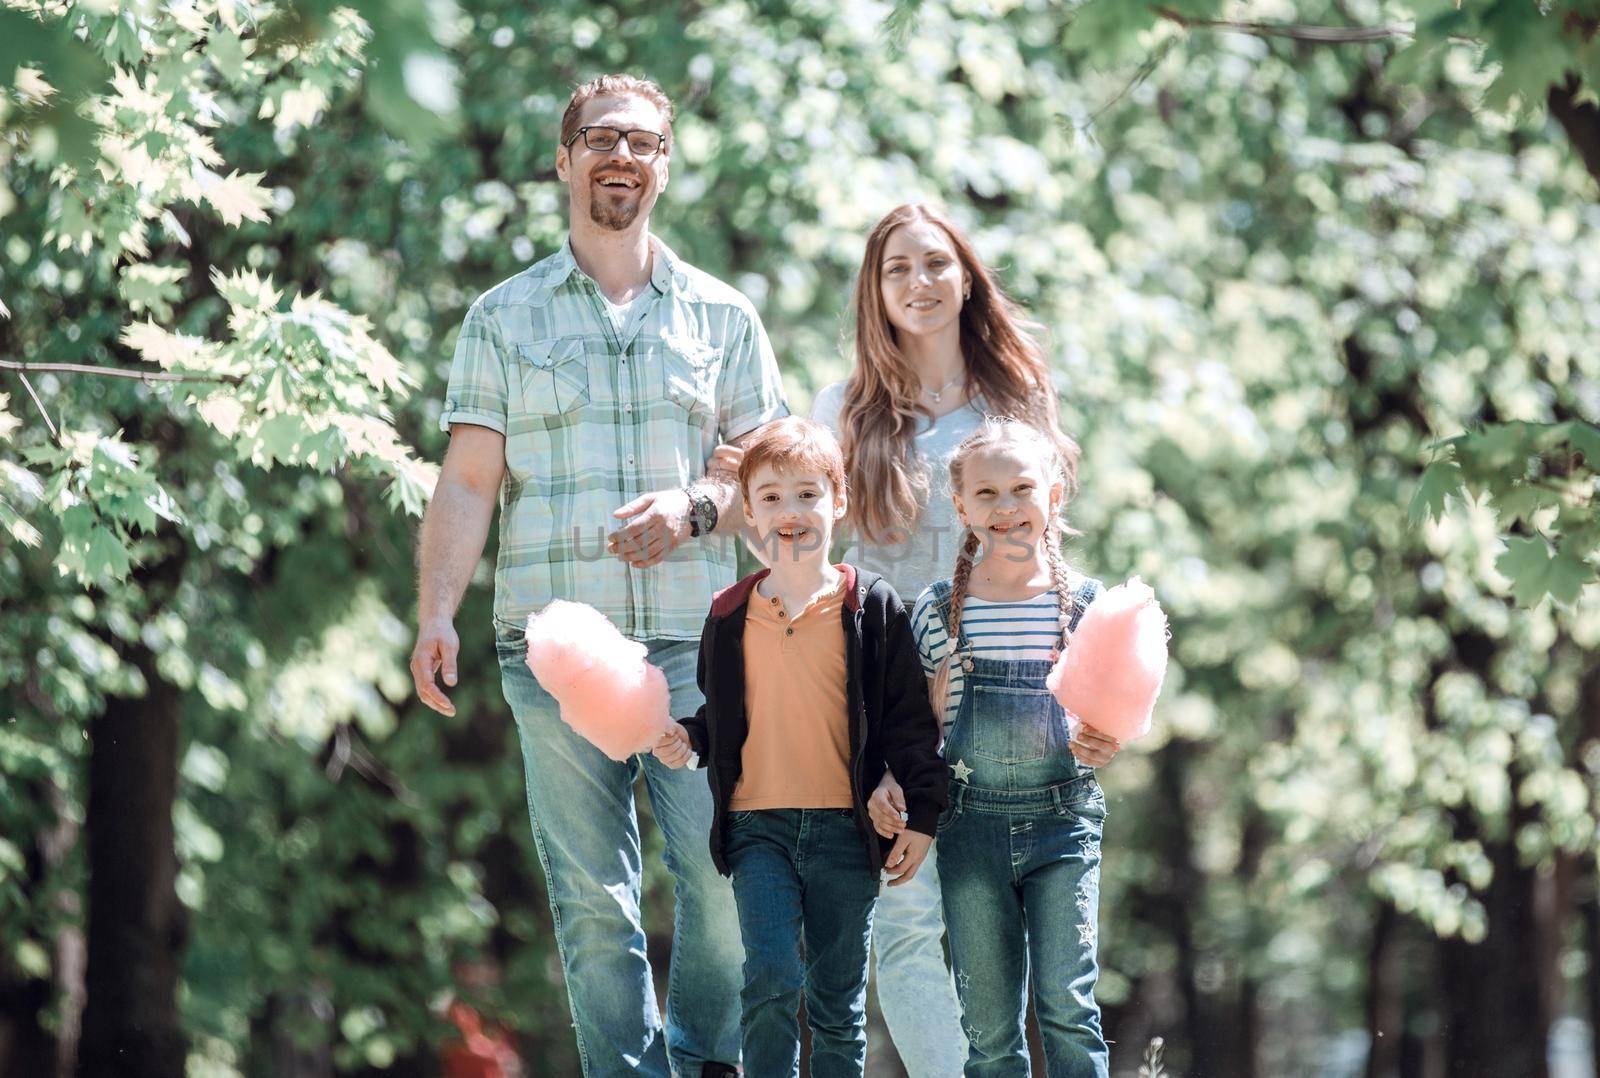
(937, 344)
(1019, 845)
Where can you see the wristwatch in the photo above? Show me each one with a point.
(702, 511)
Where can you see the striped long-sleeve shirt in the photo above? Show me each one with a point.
(1028, 629)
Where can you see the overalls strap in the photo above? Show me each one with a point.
(1085, 593)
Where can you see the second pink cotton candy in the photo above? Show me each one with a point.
(1111, 672)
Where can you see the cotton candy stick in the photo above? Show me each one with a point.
(609, 694)
(1111, 671)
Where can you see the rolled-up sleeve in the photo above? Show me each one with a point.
(477, 392)
(750, 391)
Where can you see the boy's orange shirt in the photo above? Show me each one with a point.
(797, 753)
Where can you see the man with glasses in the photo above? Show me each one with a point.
(587, 395)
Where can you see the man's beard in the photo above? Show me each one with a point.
(608, 215)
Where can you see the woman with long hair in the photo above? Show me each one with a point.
(937, 346)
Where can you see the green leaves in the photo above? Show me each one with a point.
(1531, 48)
(148, 287)
(1541, 477)
(1439, 480)
(1536, 570)
(104, 495)
(17, 485)
(236, 198)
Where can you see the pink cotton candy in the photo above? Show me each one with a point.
(608, 693)
(1111, 672)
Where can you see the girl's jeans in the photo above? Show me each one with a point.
(587, 837)
(1019, 861)
(802, 876)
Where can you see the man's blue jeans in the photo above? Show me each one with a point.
(587, 835)
(803, 876)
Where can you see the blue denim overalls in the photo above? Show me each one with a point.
(1019, 864)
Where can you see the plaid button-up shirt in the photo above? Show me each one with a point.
(595, 416)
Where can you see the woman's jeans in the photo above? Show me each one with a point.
(803, 877)
(587, 836)
(915, 990)
(1019, 859)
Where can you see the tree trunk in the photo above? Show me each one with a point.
(136, 925)
(1173, 907)
(1496, 1021)
(29, 1044)
(1385, 1003)
(1591, 910)
(26, 1047)
(1254, 839)
(1580, 121)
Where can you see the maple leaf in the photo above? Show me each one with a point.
(238, 197)
(1440, 479)
(160, 346)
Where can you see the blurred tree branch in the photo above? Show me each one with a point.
(1322, 35)
(120, 372)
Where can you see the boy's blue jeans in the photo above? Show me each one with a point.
(803, 876)
(587, 836)
(1020, 874)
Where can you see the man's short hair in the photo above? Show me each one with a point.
(616, 86)
(794, 444)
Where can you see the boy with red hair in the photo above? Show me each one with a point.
(813, 688)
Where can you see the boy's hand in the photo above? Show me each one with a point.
(724, 463)
(887, 807)
(1092, 748)
(909, 851)
(673, 748)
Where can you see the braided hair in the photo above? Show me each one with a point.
(1060, 467)
(958, 598)
(1059, 580)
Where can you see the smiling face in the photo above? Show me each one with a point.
(921, 279)
(792, 512)
(1008, 497)
(612, 188)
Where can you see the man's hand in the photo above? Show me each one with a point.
(435, 653)
(453, 532)
(1092, 748)
(673, 748)
(659, 522)
(887, 807)
(907, 855)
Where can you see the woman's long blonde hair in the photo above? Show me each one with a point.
(1060, 468)
(883, 398)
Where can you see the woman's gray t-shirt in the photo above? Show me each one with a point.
(929, 553)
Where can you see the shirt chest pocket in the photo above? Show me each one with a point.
(688, 374)
(555, 375)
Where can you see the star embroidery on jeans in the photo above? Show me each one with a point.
(973, 1034)
(961, 771)
(1086, 934)
(1083, 901)
(1091, 849)
(962, 980)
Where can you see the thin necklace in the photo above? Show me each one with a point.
(938, 394)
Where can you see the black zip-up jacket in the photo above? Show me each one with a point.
(891, 723)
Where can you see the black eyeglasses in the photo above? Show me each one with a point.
(604, 139)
